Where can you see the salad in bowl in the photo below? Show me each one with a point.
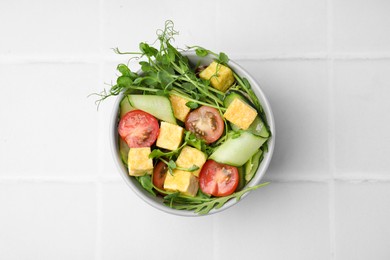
(192, 132)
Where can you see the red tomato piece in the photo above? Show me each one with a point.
(138, 129)
(206, 123)
(218, 179)
(159, 174)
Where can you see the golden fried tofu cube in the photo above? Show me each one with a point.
(180, 110)
(182, 181)
(220, 76)
(240, 113)
(170, 136)
(189, 157)
(139, 163)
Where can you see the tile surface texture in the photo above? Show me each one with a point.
(362, 220)
(324, 66)
(47, 221)
(361, 90)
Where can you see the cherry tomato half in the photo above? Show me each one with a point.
(218, 179)
(159, 174)
(206, 123)
(138, 129)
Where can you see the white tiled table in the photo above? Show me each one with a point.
(325, 67)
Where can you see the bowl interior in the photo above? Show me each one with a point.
(157, 201)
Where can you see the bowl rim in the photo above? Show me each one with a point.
(145, 196)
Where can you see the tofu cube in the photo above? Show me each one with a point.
(220, 76)
(180, 110)
(182, 181)
(170, 136)
(139, 163)
(240, 113)
(190, 156)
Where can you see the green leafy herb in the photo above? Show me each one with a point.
(123, 69)
(146, 183)
(203, 204)
(201, 52)
(162, 93)
(157, 153)
(223, 58)
(171, 166)
(188, 86)
(147, 50)
(192, 105)
(202, 195)
(236, 135)
(190, 139)
(165, 79)
(193, 168)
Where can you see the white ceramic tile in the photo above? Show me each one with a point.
(106, 162)
(128, 23)
(133, 229)
(362, 221)
(47, 221)
(279, 221)
(361, 26)
(280, 26)
(362, 142)
(298, 94)
(50, 129)
(49, 126)
(48, 27)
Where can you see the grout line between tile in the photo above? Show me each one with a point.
(332, 219)
(101, 134)
(100, 179)
(297, 178)
(97, 58)
(58, 179)
(311, 56)
(216, 245)
(331, 131)
(359, 178)
(99, 220)
(216, 24)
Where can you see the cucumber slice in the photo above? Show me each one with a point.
(158, 106)
(237, 151)
(252, 164)
(241, 182)
(231, 95)
(124, 151)
(257, 127)
(125, 106)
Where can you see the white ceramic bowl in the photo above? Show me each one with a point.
(157, 201)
